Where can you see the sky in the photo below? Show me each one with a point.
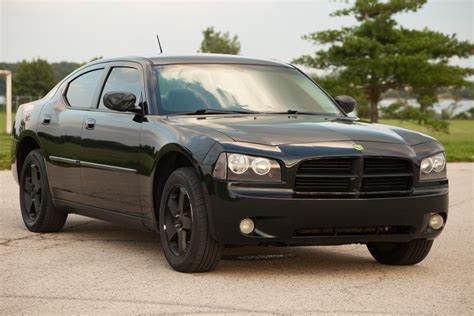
(80, 30)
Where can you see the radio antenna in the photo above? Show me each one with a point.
(159, 44)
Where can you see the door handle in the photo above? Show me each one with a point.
(90, 123)
(46, 119)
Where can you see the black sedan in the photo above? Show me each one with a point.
(212, 150)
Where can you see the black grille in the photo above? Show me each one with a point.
(354, 177)
(383, 166)
(322, 184)
(386, 184)
(325, 175)
(386, 175)
(326, 166)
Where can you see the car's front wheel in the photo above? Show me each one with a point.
(37, 210)
(184, 227)
(402, 253)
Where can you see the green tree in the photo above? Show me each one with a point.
(217, 42)
(34, 78)
(334, 84)
(63, 68)
(377, 54)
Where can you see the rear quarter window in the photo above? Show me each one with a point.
(80, 91)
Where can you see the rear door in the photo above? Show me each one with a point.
(60, 131)
(110, 146)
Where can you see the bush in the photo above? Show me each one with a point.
(405, 112)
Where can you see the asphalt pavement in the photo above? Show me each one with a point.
(93, 267)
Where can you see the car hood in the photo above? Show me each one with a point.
(298, 129)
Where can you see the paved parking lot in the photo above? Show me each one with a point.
(96, 267)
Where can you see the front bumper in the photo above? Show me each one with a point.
(282, 218)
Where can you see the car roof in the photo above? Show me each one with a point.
(195, 59)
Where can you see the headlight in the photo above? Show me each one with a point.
(426, 165)
(439, 162)
(230, 166)
(261, 166)
(238, 164)
(433, 168)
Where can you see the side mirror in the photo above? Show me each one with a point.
(346, 102)
(121, 101)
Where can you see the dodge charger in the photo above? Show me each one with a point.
(212, 151)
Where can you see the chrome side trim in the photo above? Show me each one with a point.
(91, 164)
(66, 160)
(106, 167)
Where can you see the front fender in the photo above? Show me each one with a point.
(159, 139)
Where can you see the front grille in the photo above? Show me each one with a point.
(386, 184)
(386, 175)
(383, 166)
(326, 175)
(322, 184)
(326, 166)
(366, 177)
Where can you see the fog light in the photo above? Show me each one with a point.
(436, 221)
(246, 226)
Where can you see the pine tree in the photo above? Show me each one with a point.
(377, 54)
(217, 42)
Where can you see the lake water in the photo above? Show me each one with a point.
(462, 105)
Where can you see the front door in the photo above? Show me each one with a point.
(110, 148)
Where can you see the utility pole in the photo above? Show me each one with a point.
(8, 98)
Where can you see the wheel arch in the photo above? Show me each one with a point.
(170, 158)
(27, 142)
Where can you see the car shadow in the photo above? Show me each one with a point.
(295, 260)
(248, 260)
(91, 229)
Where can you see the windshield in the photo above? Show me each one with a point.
(190, 88)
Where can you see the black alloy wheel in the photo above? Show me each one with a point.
(185, 231)
(37, 209)
(178, 220)
(32, 190)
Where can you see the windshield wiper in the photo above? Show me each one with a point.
(296, 112)
(344, 119)
(286, 112)
(217, 111)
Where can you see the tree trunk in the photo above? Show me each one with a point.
(374, 112)
(374, 98)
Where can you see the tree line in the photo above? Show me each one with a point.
(36, 77)
(370, 60)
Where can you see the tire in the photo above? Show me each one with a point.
(37, 210)
(407, 253)
(184, 226)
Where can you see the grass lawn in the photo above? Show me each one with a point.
(459, 143)
(3, 122)
(4, 143)
(4, 151)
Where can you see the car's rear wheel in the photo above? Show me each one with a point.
(184, 226)
(37, 210)
(403, 253)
